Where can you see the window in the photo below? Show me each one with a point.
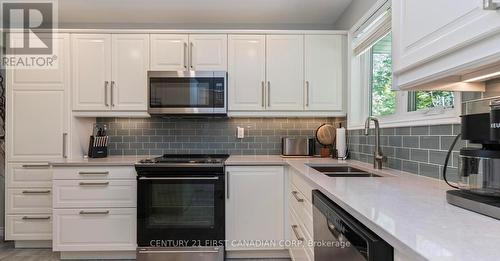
(370, 91)
(383, 99)
(424, 100)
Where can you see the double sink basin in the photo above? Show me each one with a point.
(343, 171)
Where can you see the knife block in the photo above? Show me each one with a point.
(98, 147)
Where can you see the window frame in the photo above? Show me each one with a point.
(359, 106)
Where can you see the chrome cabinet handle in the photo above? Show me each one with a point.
(185, 55)
(64, 153)
(295, 195)
(106, 83)
(179, 178)
(36, 218)
(94, 183)
(307, 93)
(112, 98)
(263, 94)
(93, 173)
(36, 166)
(83, 212)
(36, 192)
(227, 184)
(191, 55)
(297, 235)
(268, 94)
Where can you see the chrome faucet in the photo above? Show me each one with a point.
(378, 157)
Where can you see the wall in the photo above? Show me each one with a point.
(353, 13)
(157, 135)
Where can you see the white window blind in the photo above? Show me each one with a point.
(374, 28)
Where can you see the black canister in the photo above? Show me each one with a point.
(495, 120)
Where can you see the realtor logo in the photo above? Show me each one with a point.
(30, 24)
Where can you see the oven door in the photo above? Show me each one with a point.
(187, 92)
(177, 209)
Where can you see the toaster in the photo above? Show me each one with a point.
(293, 147)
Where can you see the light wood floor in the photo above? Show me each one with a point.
(9, 253)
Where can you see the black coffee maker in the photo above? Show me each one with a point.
(478, 186)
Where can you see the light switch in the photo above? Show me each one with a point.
(240, 132)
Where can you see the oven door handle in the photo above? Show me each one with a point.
(179, 178)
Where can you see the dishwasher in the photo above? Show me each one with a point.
(339, 236)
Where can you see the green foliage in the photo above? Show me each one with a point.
(431, 99)
(383, 98)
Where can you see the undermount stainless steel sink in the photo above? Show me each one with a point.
(343, 171)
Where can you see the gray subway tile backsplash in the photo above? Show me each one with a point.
(158, 135)
(420, 150)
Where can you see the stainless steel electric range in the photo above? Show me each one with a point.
(180, 207)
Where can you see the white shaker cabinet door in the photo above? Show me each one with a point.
(52, 76)
(91, 55)
(130, 64)
(324, 73)
(169, 52)
(254, 205)
(37, 125)
(247, 72)
(285, 72)
(208, 52)
(424, 31)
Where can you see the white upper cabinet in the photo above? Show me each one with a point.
(130, 64)
(208, 52)
(51, 78)
(169, 52)
(254, 204)
(91, 55)
(324, 71)
(247, 72)
(439, 39)
(195, 52)
(110, 72)
(285, 72)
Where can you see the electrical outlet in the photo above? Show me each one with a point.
(240, 133)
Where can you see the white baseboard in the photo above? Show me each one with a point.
(97, 255)
(258, 253)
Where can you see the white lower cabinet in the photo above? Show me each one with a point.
(28, 201)
(300, 213)
(254, 206)
(94, 193)
(94, 209)
(100, 229)
(28, 227)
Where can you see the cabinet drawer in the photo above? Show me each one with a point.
(28, 175)
(304, 187)
(95, 229)
(302, 207)
(28, 227)
(21, 201)
(94, 172)
(296, 230)
(94, 193)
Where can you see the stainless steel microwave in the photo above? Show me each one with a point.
(187, 92)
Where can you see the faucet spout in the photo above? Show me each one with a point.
(378, 156)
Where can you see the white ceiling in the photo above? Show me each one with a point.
(202, 14)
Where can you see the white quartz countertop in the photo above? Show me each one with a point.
(410, 212)
(108, 161)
